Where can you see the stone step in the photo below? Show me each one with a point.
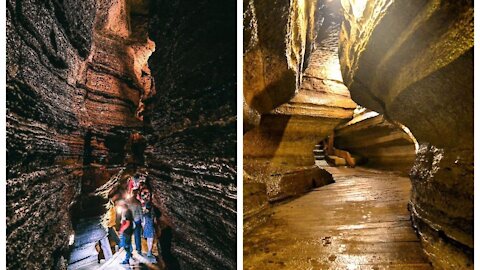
(336, 161)
(318, 147)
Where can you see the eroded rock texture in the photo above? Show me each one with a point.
(377, 143)
(77, 83)
(74, 86)
(46, 43)
(413, 62)
(192, 126)
(279, 151)
(278, 37)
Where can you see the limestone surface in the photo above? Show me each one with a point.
(413, 62)
(377, 143)
(278, 37)
(279, 151)
(360, 221)
(82, 105)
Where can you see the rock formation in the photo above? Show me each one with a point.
(191, 126)
(377, 143)
(278, 38)
(46, 45)
(413, 62)
(279, 151)
(288, 108)
(81, 101)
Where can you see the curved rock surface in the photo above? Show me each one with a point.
(379, 143)
(279, 151)
(278, 37)
(47, 42)
(413, 62)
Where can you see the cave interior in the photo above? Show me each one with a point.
(358, 134)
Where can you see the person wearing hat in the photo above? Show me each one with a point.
(126, 229)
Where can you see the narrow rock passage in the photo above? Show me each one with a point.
(359, 222)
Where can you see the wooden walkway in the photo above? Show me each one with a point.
(137, 262)
(359, 222)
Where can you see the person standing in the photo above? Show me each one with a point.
(112, 219)
(148, 227)
(126, 230)
(136, 208)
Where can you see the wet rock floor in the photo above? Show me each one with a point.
(359, 222)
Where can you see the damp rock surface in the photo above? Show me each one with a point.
(413, 62)
(279, 150)
(360, 220)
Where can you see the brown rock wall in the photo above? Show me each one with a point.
(73, 91)
(379, 143)
(413, 62)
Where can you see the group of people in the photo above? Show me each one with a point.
(132, 214)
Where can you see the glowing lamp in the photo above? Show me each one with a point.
(71, 239)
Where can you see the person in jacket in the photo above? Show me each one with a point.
(126, 230)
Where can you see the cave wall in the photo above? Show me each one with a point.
(278, 37)
(413, 62)
(74, 92)
(191, 126)
(47, 41)
(377, 143)
(279, 141)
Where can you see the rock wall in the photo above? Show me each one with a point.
(47, 42)
(192, 128)
(75, 80)
(278, 38)
(377, 143)
(413, 62)
(279, 150)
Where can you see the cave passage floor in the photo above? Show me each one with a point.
(359, 222)
(89, 231)
(138, 262)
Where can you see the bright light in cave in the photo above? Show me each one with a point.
(410, 134)
(351, 266)
(357, 6)
(71, 239)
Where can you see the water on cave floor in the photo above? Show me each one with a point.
(359, 222)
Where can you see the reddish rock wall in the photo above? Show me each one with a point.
(73, 96)
(278, 151)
